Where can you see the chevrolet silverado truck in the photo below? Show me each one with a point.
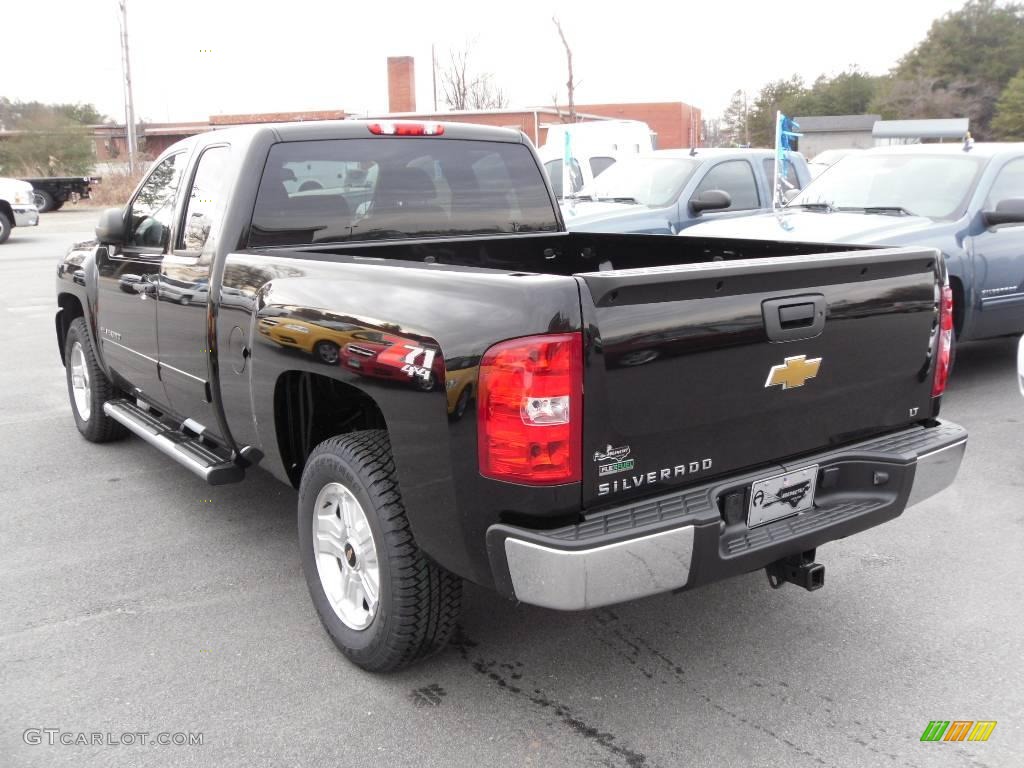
(644, 413)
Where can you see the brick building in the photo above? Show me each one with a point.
(675, 123)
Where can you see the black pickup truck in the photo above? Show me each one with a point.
(392, 318)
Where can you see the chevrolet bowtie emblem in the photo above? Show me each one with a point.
(794, 372)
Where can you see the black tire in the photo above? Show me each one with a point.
(59, 204)
(43, 200)
(419, 602)
(328, 352)
(461, 404)
(97, 427)
(5, 227)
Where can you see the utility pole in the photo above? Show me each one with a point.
(433, 70)
(746, 121)
(129, 105)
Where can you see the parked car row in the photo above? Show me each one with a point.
(666, 191)
(968, 202)
(965, 200)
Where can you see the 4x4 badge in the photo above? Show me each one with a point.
(793, 372)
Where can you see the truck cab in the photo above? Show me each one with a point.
(667, 191)
(16, 207)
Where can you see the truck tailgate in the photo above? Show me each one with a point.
(698, 370)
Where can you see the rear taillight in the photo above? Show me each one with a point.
(530, 408)
(944, 342)
(389, 128)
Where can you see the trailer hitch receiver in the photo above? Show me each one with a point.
(797, 569)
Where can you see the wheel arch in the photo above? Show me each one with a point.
(312, 407)
(70, 308)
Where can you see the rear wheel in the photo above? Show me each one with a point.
(88, 387)
(327, 351)
(461, 404)
(43, 200)
(5, 227)
(384, 604)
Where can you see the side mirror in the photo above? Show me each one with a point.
(790, 195)
(1008, 211)
(110, 229)
(711, 200)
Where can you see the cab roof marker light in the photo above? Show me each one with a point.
(392, 128)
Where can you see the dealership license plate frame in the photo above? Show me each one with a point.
(773, 491)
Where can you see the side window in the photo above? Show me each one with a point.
(737, 178)
(149, 219)
(792, 180)
(206, 199)
(554, 169)
(1009, 183)
(599, 165)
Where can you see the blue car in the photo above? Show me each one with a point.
(665, 192)
(967, 200)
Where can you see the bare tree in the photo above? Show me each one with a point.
(464, 89)
(483, 94)
(570, 83)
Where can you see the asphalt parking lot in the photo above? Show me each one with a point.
(137, 599)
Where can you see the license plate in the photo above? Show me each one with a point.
(354, 364)
(782, 496)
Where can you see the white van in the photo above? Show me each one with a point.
(594, 146)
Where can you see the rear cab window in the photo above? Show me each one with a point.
(358, 190)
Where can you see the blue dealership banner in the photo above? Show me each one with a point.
(786, 129)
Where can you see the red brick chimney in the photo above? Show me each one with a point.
(401, 84)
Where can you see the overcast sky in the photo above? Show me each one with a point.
(311, 54)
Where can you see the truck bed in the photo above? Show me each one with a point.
(681, 335)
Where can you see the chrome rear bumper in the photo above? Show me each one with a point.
(670, 542)
(589, 578)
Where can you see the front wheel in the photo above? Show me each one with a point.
(384, 604)
(88, 387)
(5, 227)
